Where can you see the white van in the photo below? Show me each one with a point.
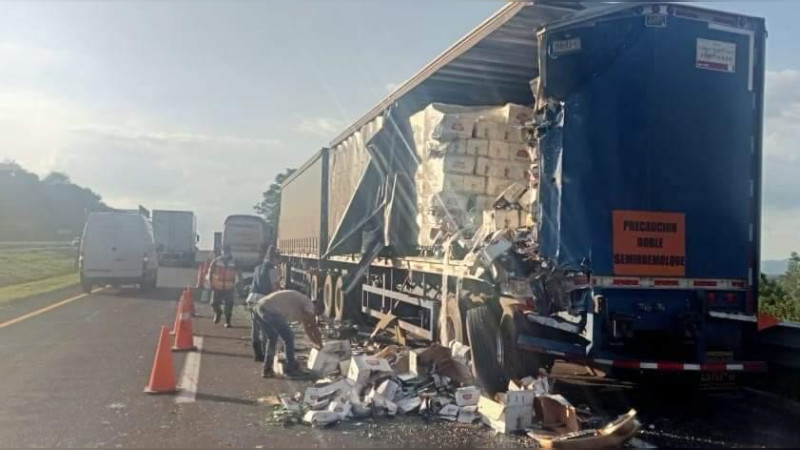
(118, 248)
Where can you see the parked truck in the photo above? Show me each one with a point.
(176, 236)
(635, 245)
(246, 237)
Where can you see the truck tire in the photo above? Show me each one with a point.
(484, 336)
(328, 299)
(454, 321)
(517, 363)
(347, 305)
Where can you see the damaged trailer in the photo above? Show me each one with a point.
(623, 231)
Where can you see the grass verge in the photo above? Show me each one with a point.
(21, 290)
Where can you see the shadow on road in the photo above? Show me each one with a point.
(228, 354)
(222, 399)
(229, 338)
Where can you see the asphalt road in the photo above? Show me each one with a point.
(73, 377)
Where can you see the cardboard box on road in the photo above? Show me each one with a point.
(504, 418)
(467, 396)
(362, 367)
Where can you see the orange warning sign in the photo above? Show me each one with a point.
(648, 243)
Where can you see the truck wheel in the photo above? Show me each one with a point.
(454, 321)
(517, 363)
(347, 305)
(313, 293)
(328, 295)
(484, 338)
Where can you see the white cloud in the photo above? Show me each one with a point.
(325, 127)
(131, 164)
(781, 214)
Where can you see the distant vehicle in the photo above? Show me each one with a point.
(118, 248)
(76, 242)
(175, 235)
(246, 236)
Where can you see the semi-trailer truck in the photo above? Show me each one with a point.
(176, 236)
(639, 250)
(246, 238)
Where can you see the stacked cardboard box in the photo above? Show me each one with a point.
(468, 157)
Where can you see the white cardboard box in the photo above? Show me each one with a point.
(477, 147)
(320, 418)
(409, 404)
(459, 164)
(502, 218)
(490, 129)
(482, 166)
(514, 133)
(388, 389)
(468, 396)
(361, 367)
(498, 150)
(496, 186)
(474, 184)
(504, 418)
(314, 394)
(518, 152)
(322, 363)
(518, 398)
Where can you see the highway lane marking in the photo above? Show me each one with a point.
(187, 386)
(32, 314)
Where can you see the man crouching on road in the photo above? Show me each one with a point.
(274, 313)
(265, 282)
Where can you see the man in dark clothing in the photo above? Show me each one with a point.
(265, 281)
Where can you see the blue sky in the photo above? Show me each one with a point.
(197, 105)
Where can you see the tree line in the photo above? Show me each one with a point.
(42, 209)
(780, 296)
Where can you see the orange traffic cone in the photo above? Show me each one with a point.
(189, 297)
(184, 337)
(162, 377)
(177, 316)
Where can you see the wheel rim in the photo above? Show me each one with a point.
(314, 294)
(500, 348)
(327, 297)
(338, 297)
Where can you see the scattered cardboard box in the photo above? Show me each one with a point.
(504, 418)
(467, 396)
(449, 412)
(388, 389)
(362, 367)
(322, 363)
(556, 413)
(321, 418)
(468, 414)
(340, 407)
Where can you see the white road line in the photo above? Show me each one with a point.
(46, 309)
(187, 386)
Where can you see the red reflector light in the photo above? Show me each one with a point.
(702, 283)
(712, 297)
(665, 282)
(730, 297)
(624, 282)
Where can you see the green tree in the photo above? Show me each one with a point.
(57, 178)
(781, 296)
(270, 205)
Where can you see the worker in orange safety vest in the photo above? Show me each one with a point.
(222, 275)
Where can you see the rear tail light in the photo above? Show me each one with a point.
(712, 297)
(730, 297)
